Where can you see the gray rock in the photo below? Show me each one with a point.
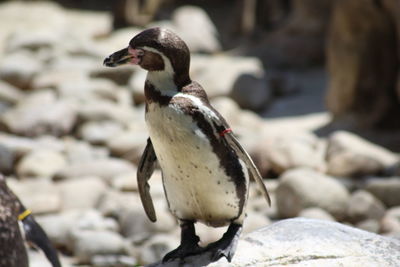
(40, 195)
(286, 151)
(92, 220)
(155, 248)
(369, 225)
(386, 190)
(390, 223)
(82, 193)
(99, 133)
(349, 155)
(34, 40)
(79, 152)
(9, 94)
(251, 92)
(41, 163)
(89, 243)
(113, 261)
(316, 213)
(129, 144)
(7, 158)
(55, 78)
(136, 226)
(200, 34)
(22, 145)
(120, 76)
(106, 169)
(17, 74)
(41, 113)
(363, 205)
(126, 182)
(106, 110)
(307, 242)
(304, 188)
(207, 71)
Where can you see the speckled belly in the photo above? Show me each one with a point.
(196, 186)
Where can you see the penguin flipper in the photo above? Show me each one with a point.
(253, 171)
(145, 170)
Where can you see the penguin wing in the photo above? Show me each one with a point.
(243, 155)
(145, 170)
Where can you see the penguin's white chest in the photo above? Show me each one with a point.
(196, 186)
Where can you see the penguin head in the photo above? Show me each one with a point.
(154, 49)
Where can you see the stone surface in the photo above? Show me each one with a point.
(88, 243)
(386, 190)
(41, 163)
(41, 113)
(349, 155)
(363, 205)
(82, 193)
(304, 188)
(17, 74)
(40, 195)
(103, 168)
(307, 242)
(316, 213)
(287, 151)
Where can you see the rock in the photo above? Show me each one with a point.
(251, 92)
(201, 35)
(126, 182)
(32, 116)
(9, 94)
(349, 155)
(7, 158)
(17, 74)
(120, 76)
(40, 195)
(306, 242)
(129, 144)
(41, 163)
(55, 78)
(386, 190)
(33, 41)
(363, 205)
(106, 169)
(286, 151)
(79, 152)
(99, 132)
(58, 226)
(207, 71)
(92, 220)
(106, 110)
(88, 243)
(155, 248)
(304, 188)
(82, 193)
(316, 213)
(369, 225)
(390, 223)
(136, 226)
(113, 261)
(254, 221)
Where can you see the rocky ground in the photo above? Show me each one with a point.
(73, 132)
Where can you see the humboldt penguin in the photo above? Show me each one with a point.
(205, 171)
(12, 248)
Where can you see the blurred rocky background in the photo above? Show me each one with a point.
(310, 87)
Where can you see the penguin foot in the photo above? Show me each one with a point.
(189, 243)
(226, 246)
(182, 252)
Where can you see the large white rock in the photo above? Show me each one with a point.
(304, 188)
(307, 242)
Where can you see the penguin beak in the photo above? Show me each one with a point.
(35, 234)
(124, 56)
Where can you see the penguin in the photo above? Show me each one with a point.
(205, 171)
(12, 248)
